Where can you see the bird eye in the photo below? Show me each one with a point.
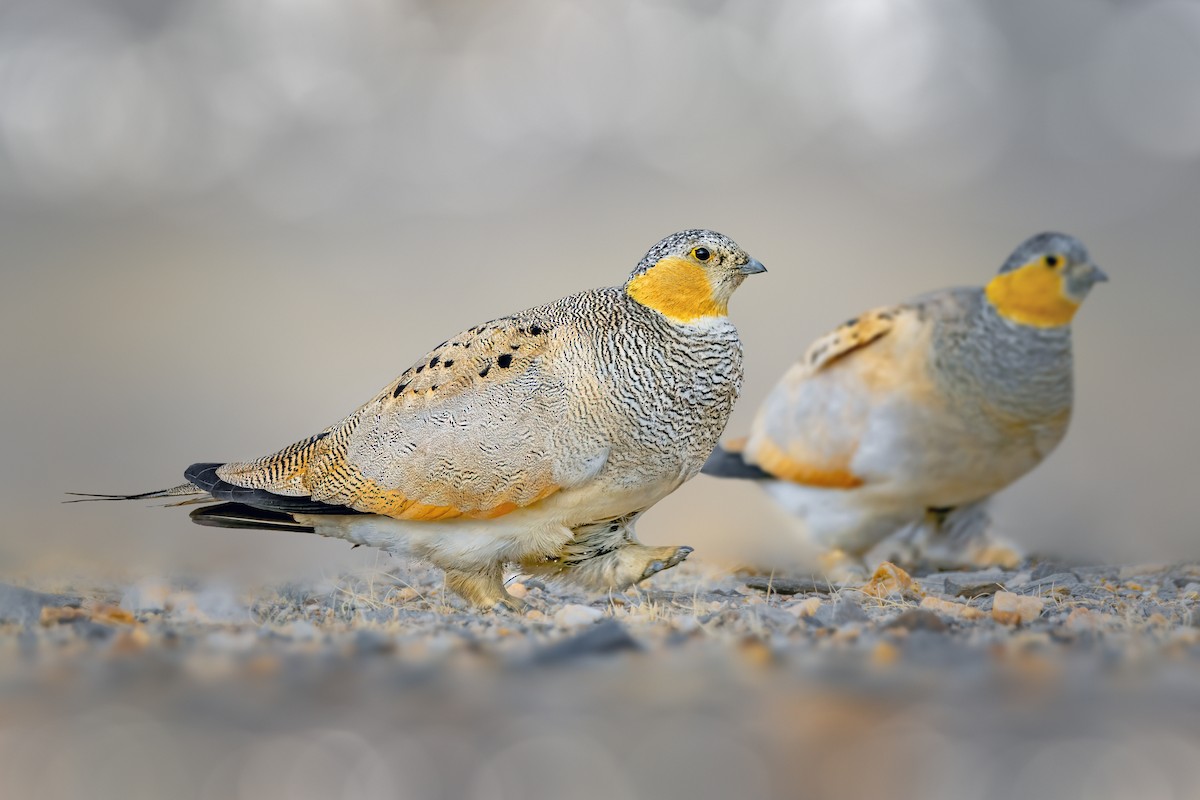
(1052, 261)
(701, 254)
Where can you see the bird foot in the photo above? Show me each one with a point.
(665, 559)
(484, 589)
(510, 605)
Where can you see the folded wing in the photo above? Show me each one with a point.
(811, 426)
(469, 431)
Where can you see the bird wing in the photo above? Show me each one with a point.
(851, 335)
(812, 424)
(469, 431)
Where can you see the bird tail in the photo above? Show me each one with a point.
(729, 463)
(183, 490)
(240, 515)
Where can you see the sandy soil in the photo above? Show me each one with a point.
(1077, 681)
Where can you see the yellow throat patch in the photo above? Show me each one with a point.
(1032, 295)
(677, 289)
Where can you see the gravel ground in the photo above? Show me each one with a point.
(409, 615)
(700, 684)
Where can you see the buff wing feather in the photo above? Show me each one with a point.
(468, 431)
(811, 426)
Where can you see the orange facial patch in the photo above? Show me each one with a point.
(770, 458)
(678, 289)
(1032, 295)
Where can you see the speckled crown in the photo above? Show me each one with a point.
(1045, 244)
(680, 243)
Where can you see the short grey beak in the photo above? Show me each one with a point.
(752, 267)
(1098, 275)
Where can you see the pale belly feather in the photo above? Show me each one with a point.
(464, 543)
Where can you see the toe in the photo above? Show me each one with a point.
(653, 568)
(680, 555)
(659, 564)
(510, 605)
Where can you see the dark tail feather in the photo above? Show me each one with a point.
(730, 464)
(183, 490)
(205, 476)
(239, 515)
(205, 483)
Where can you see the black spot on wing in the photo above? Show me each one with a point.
(504, 360)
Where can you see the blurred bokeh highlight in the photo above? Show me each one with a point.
(225, 224)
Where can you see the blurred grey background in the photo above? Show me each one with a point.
(224, 224)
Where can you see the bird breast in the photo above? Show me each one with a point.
(658, 394)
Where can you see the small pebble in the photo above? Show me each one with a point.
(1057, 583)
(950, 608)
(918, 619)
(1048, 568)
(840, 612)
(888, 579)
(573, 615)
(1013, 609)
(803, 608)
(777, 585)
(971, 589)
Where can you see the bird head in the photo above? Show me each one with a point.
(1044, 281)
(690, 275)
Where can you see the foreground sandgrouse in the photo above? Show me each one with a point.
(536, 439)
(911, 416)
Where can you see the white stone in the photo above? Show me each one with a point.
(574, 614)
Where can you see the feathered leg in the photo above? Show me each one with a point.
(605, 556)
(483, 588)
